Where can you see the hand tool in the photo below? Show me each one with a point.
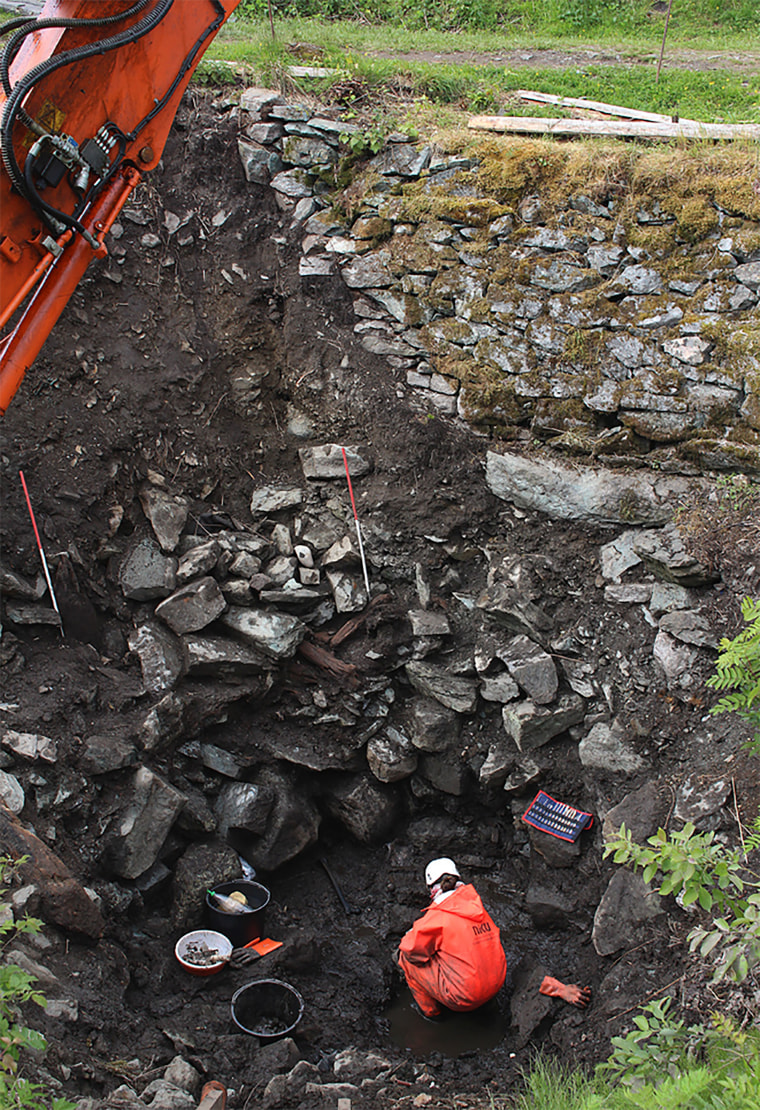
(341, 896)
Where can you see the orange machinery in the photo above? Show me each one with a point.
(89, 91)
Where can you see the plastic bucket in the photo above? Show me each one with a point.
(240, 928)
(267, 1009)
(188, 946)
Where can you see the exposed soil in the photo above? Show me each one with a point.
(139, 374)
(700, 60)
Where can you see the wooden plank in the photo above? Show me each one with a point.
(353, 623)
(625, 129)
(595, 106)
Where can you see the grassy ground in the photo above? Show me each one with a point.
(383, 61)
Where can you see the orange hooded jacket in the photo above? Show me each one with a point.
(453, 955)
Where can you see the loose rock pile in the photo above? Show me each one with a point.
(222, 608)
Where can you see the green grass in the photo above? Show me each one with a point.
(494, 24)
(712, 95)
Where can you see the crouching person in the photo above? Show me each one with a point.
(452, 956)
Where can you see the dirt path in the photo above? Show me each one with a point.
(527, 58)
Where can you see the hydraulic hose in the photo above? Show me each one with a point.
(29, 80)
(211, 29)
(52, 212)
(29, 26)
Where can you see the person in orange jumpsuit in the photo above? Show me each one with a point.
(452, 956)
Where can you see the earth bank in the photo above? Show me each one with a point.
(170, 412)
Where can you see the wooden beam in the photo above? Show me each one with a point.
(595, 106)
(624, 129)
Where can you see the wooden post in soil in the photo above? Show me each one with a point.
(664, 36)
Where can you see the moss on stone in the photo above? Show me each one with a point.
(572, 441)
(584, 347)
(690, 192)
(696, 218)
(438, 202)
(558, 417)
(658, 241)
(412, 255)
(722, 454)
(722, 175)
(479, 310)
(438, 303)
(745, 239)
(740, 433)
(735, 345)
(632, 508)
(486, 398)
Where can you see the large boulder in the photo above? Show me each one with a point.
(142, 825)
(583, 492)
(63, 900)
(627, 907)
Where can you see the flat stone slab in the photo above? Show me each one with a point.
(326, 461)
(531, 725)
(627, 906)
(193, 606)
(606, 749)
(583, 493)
(459, 694)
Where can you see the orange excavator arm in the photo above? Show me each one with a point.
(88, 93)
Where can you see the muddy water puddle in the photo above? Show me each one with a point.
(477, 1031)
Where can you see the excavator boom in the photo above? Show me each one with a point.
(88, 94)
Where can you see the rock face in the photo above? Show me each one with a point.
(627, 907)
(496, 325)
(143, 824)
(64, 902)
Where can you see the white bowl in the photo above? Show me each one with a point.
(199, 939)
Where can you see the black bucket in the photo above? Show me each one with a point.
(240, 928)
(267, 1009)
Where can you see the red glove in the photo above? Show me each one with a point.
(576, 996)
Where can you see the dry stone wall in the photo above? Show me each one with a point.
(518, 321)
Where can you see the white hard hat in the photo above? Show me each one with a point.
(437, 868)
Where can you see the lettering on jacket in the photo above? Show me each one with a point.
(478, 930)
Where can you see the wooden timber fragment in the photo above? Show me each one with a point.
(623, 129)
(325, 659)
(596, 106)
(353, 623)
(312, 71)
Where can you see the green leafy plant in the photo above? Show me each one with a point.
(658, 1045)
(367, 140)
(663, 1064)
(738, 671)
(17, 988)
(737, 490)
(690, 865)
(694, 867)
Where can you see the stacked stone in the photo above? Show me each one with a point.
(568, 332)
